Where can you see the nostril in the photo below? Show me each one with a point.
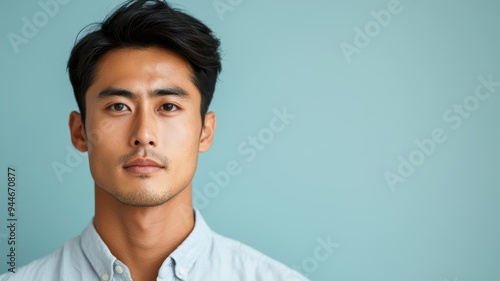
(136, 142)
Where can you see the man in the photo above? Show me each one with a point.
(141, 80)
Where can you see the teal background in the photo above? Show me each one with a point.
(323, 175)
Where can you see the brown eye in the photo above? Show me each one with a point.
(169, 107)
(118, 107)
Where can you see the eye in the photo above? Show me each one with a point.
(169, 107)
(118, 107)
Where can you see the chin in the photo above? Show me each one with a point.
(142, 198)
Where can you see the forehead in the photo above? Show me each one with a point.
(143, 71)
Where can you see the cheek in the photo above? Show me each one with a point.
(181, 139)
(183, 152)
(103, 134)
(103, 141)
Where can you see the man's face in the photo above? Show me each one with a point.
(143, 128)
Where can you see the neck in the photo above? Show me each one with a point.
(143, 237)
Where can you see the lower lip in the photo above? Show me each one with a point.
(143, 169)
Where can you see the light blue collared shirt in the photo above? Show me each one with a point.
(203, 255)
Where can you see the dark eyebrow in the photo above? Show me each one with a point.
(109, 92)
(171, 91)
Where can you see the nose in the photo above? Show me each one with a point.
(144, 132)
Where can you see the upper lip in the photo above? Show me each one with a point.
(143, 162)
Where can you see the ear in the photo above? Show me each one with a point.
(77, 130)
(207, 132)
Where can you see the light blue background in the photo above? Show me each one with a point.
(323, 175)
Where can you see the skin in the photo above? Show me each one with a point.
(142, 215)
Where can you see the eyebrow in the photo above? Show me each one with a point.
(170, 91)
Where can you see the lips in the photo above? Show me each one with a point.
(143, 166)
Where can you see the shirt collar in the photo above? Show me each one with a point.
(97, 252)
(184, 256)
(189, 250)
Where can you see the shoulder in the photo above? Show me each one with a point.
(35, 269)
(55, 266)
(251, 263)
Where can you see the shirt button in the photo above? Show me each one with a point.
(182, 271)
(119, 269)
(105, 277)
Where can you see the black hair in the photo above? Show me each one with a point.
(142, 24)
